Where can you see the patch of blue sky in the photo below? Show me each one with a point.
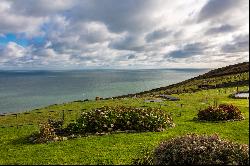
(19, 39)
(6, 38)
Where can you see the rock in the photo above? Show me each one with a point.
(102, 133)
(56, 139)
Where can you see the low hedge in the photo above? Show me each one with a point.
(221, 113)
(120, 118)
(195, 149)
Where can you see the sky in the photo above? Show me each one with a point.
(123, 34)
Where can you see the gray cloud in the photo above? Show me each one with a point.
(188, 50)
(40, 8)
(94, 33)
(124, 58)
(214, 8)
(239, 44)
(82, 58)
(220, 29)
(127, 42)
(132, 56)
(157, 34)
(118, 15)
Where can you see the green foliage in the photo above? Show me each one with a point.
(195, 149)
(120, 118)
(220, 113)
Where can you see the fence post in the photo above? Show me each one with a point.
(63, 115)
(16, 121)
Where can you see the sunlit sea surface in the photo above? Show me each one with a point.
(26, 90)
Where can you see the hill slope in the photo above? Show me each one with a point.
(232, 75)
(231, 69)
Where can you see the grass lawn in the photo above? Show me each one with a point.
(115, 148)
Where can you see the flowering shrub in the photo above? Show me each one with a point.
(49, 131)
(107, 119)
(197, 150)
(220, 113)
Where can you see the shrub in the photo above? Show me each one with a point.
(197, 150)
(49, 131)
(107, 119)
(220, 113)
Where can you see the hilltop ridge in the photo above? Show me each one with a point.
(231, 69)
(228, 76)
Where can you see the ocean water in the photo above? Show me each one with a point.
(27, 90)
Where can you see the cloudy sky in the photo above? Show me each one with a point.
(78, 34)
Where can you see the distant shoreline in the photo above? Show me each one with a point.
(140, 80)
(68, 86)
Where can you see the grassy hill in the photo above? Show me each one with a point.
(122, 148)
(229, 76)
(228, 70)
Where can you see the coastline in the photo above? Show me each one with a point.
(171, 88)
(22, 92)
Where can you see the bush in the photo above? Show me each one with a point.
(198, 150)
(220, 113)
(49, 131)
(107, 119)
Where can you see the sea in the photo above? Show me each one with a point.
(24, 90)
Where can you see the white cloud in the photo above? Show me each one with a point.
(13, 50)
(118, 33)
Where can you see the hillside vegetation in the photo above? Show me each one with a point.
(231, 69)
(229, 76)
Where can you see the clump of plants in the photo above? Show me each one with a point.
(105, 120)
(222, 112)
(49, 132)
(196, 150)
(120, 118)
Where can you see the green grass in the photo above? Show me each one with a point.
(116, 148)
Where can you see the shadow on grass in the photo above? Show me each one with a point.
(196, 120)
(24, 140)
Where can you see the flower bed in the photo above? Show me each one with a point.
(221, 113)
(105, 120)
(108, 119)
(196, 150)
